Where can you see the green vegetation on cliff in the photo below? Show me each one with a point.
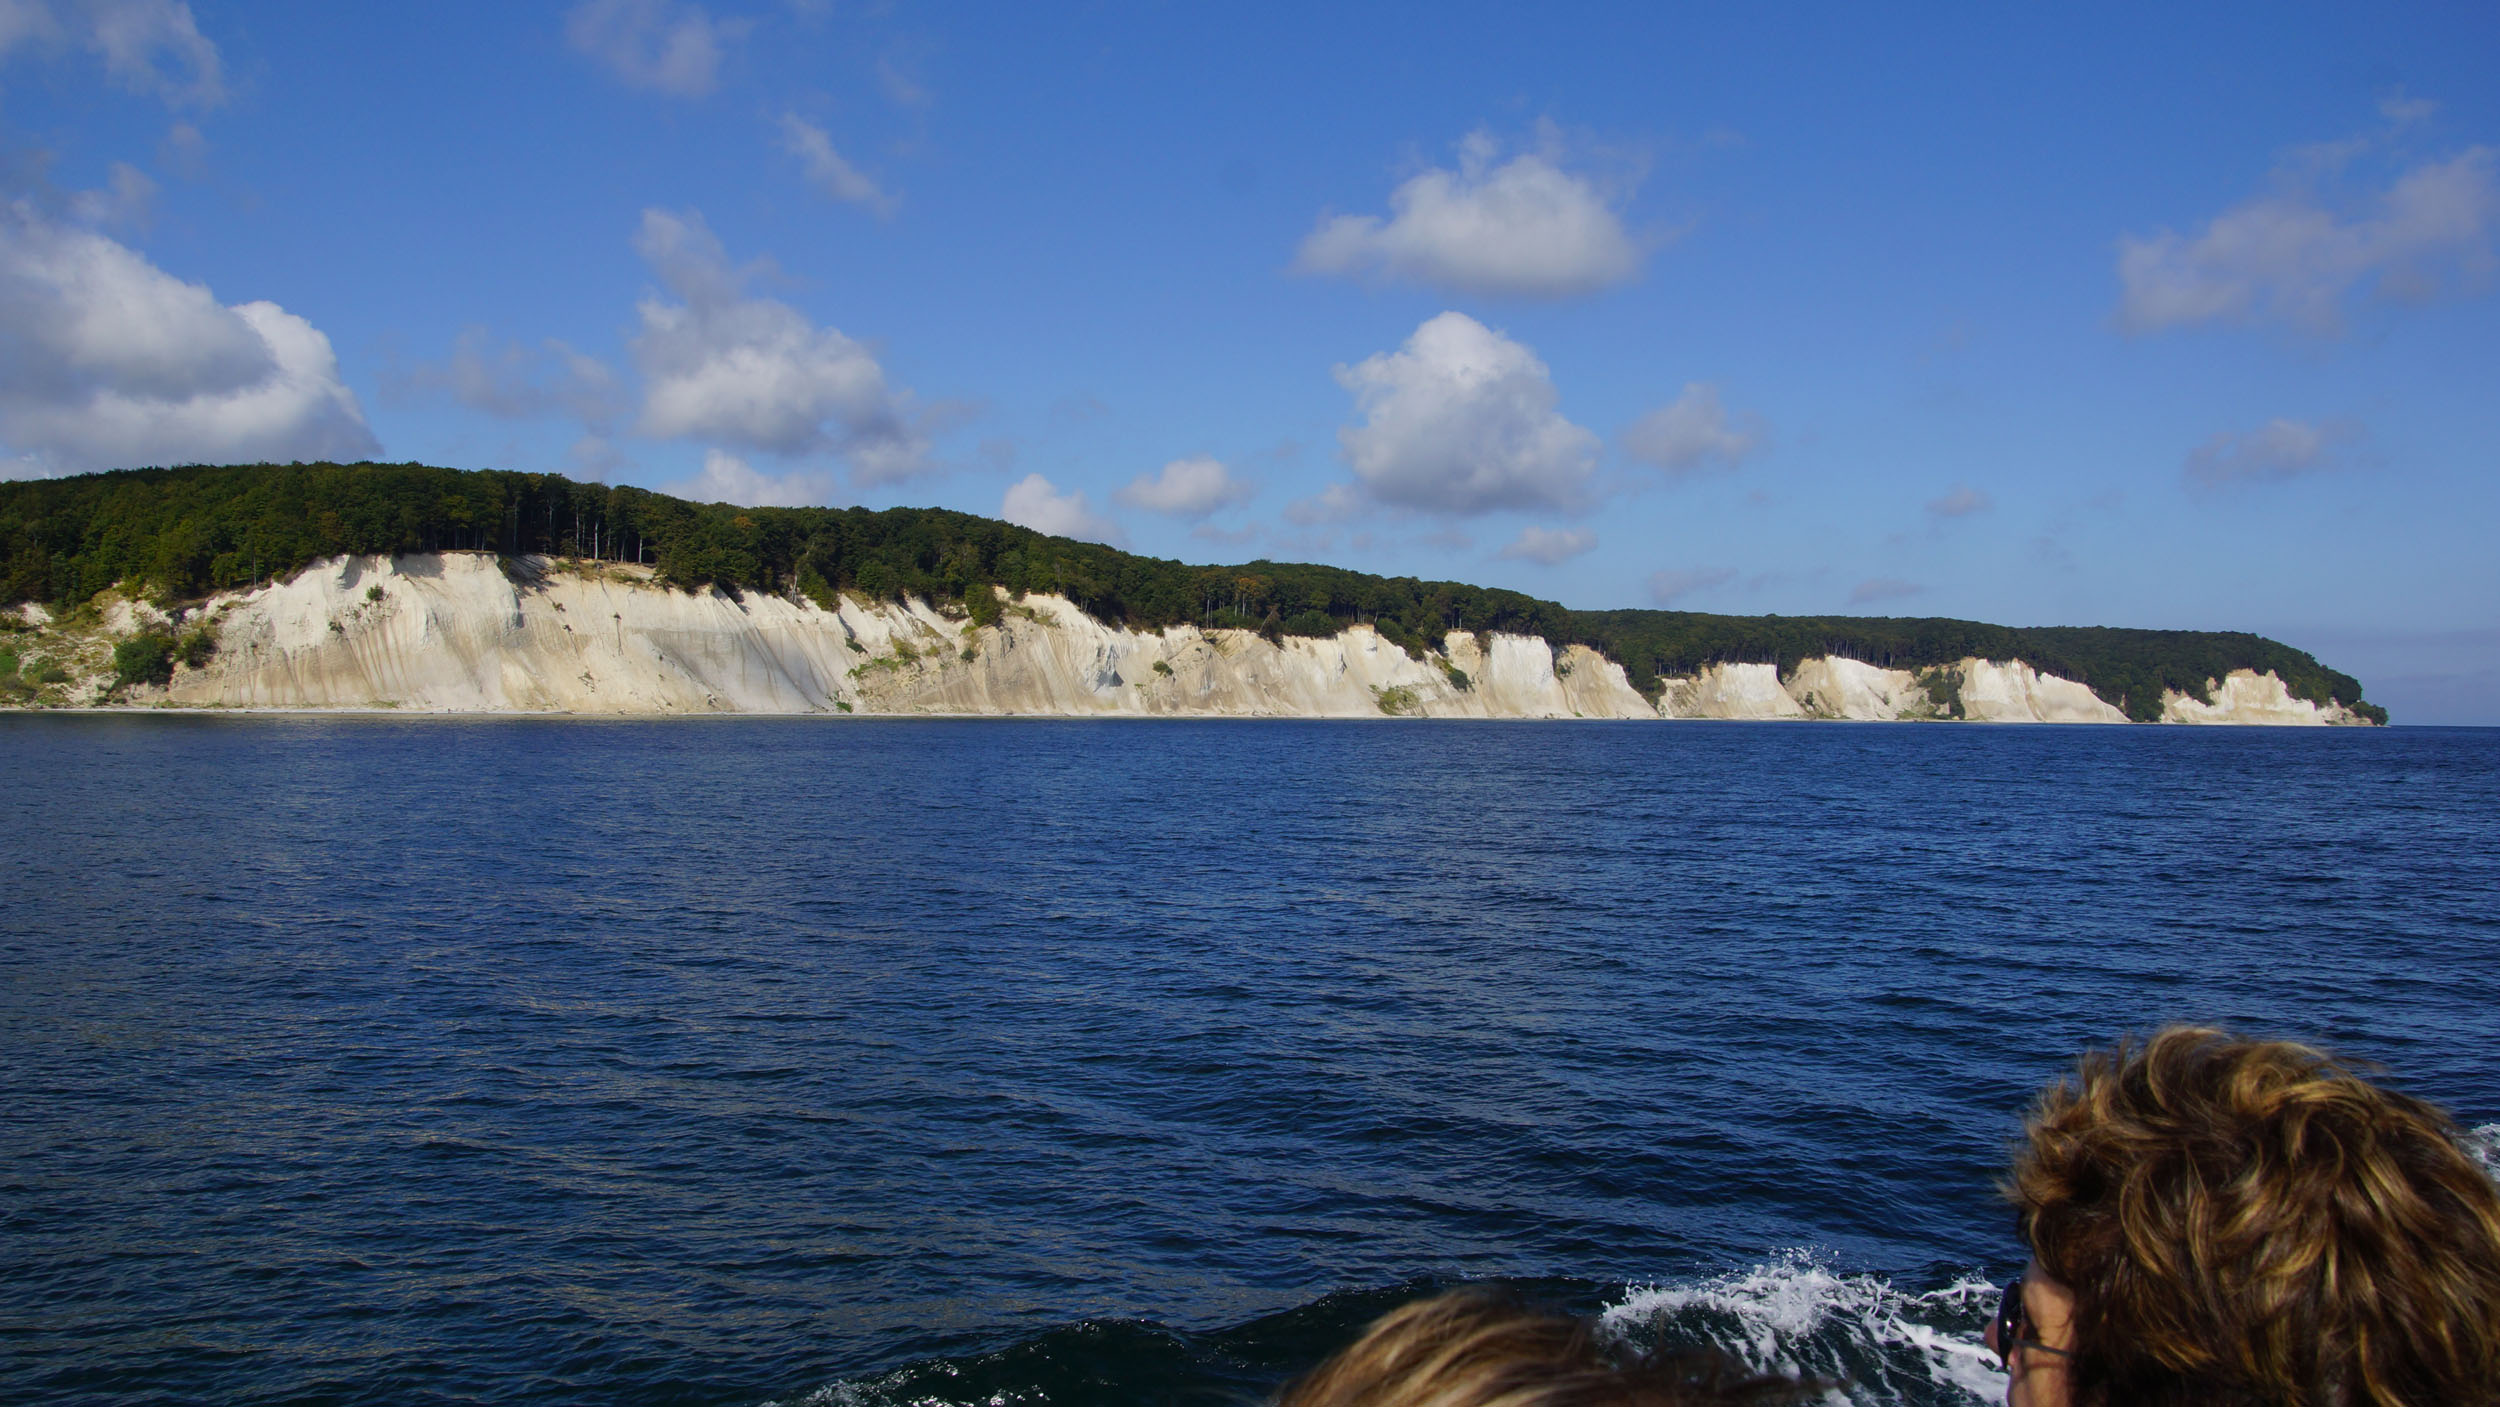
(190, 531)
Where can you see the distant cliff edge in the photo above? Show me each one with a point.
(408, 586)
(466, 632)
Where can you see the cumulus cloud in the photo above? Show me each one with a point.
(128, 197)
(184, 150)
(828, 172)
(754, 373)
(515, 382)
(154, 46)
(1462, 420)
(1336, 503)
(656, 45)
(147, 46)
(2297, 255)
(2279, 449)
(1187, 488)
(1668, 587)
(725, 478)
(108, 361)
(1693, 433)
(1882, 588)
(1034, 502)
(1960, 502)
(1523, 227)
(1549, 546)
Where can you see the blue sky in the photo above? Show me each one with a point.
(2136, 317)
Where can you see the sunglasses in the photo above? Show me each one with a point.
(2014, 1326)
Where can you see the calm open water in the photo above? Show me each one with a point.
(880, 1062)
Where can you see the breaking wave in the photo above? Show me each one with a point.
(1796, 1314)
(2484, 1144)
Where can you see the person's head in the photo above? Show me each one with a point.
(1472, 1348)
(2225, 1221)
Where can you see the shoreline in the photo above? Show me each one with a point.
(836, 716)
(455, 634)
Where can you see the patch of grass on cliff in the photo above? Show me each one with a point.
(144, 659)
(1944, 689)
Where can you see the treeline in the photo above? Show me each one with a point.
(191, 531)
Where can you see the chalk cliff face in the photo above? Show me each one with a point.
(2247, 697)
(458, 632)
(1729, 691)
(1981, 691)
(454, 633)
(1843, 688)
(2013, 692)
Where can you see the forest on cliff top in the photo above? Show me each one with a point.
(187, 532)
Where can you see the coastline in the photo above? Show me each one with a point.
(469, 634)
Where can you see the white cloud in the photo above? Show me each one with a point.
(1668, 587)
(184, 150)
(725, 478)
(1461, 420)
(514, 382)
(826, 169)
(1549, 546)
(2401, 110)
(2295, 258)
(148, 46)
(128, 199)
(1693, 433)
(1522, 227)
(753, 372)
(2279, 449)
(1034, 502)
(1960, 502)
(1882, 588)
(24, 22)
(900, 87)
(1336, 503)
(657, 45)
(107, 361)
(1187, 488)
(154, 46)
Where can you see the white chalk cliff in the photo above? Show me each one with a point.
(456, 632)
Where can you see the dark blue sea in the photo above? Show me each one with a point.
(867, 1062)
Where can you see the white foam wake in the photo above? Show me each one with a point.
(905, 1387)
(2483, 1142)
(1795, 1314)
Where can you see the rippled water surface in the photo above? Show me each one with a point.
(863, 1061)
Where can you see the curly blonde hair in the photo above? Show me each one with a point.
(2249, 1222)
(1477, 1348)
